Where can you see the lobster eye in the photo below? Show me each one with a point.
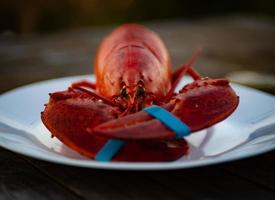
(123, 92)
(140, 91)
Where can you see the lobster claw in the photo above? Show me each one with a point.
(199, 105)
(138, 126)
(69, 113)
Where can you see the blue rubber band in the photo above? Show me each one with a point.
(169, 120)
(109, 150)
(112, 146)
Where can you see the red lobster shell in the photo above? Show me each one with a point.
(133, 71)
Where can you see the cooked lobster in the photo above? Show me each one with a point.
(133, 71)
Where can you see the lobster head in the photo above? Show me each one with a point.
(130, 81)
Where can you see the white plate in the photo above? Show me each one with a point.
(249, 131)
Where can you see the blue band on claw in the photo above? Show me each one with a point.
(169, 120)
(110, 149)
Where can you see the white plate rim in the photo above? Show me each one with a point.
(131, 165)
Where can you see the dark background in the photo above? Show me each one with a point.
(41, 16)
(45, 39)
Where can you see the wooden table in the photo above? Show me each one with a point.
(229, 44)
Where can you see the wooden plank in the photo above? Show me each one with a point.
(19, 180)
(201, 183)
(211, 183)
(105, 184)
(259, 170)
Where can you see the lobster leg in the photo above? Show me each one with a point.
(183, 70)
(98, 96)
(199, 105)
(178, 74)
(84, 83)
